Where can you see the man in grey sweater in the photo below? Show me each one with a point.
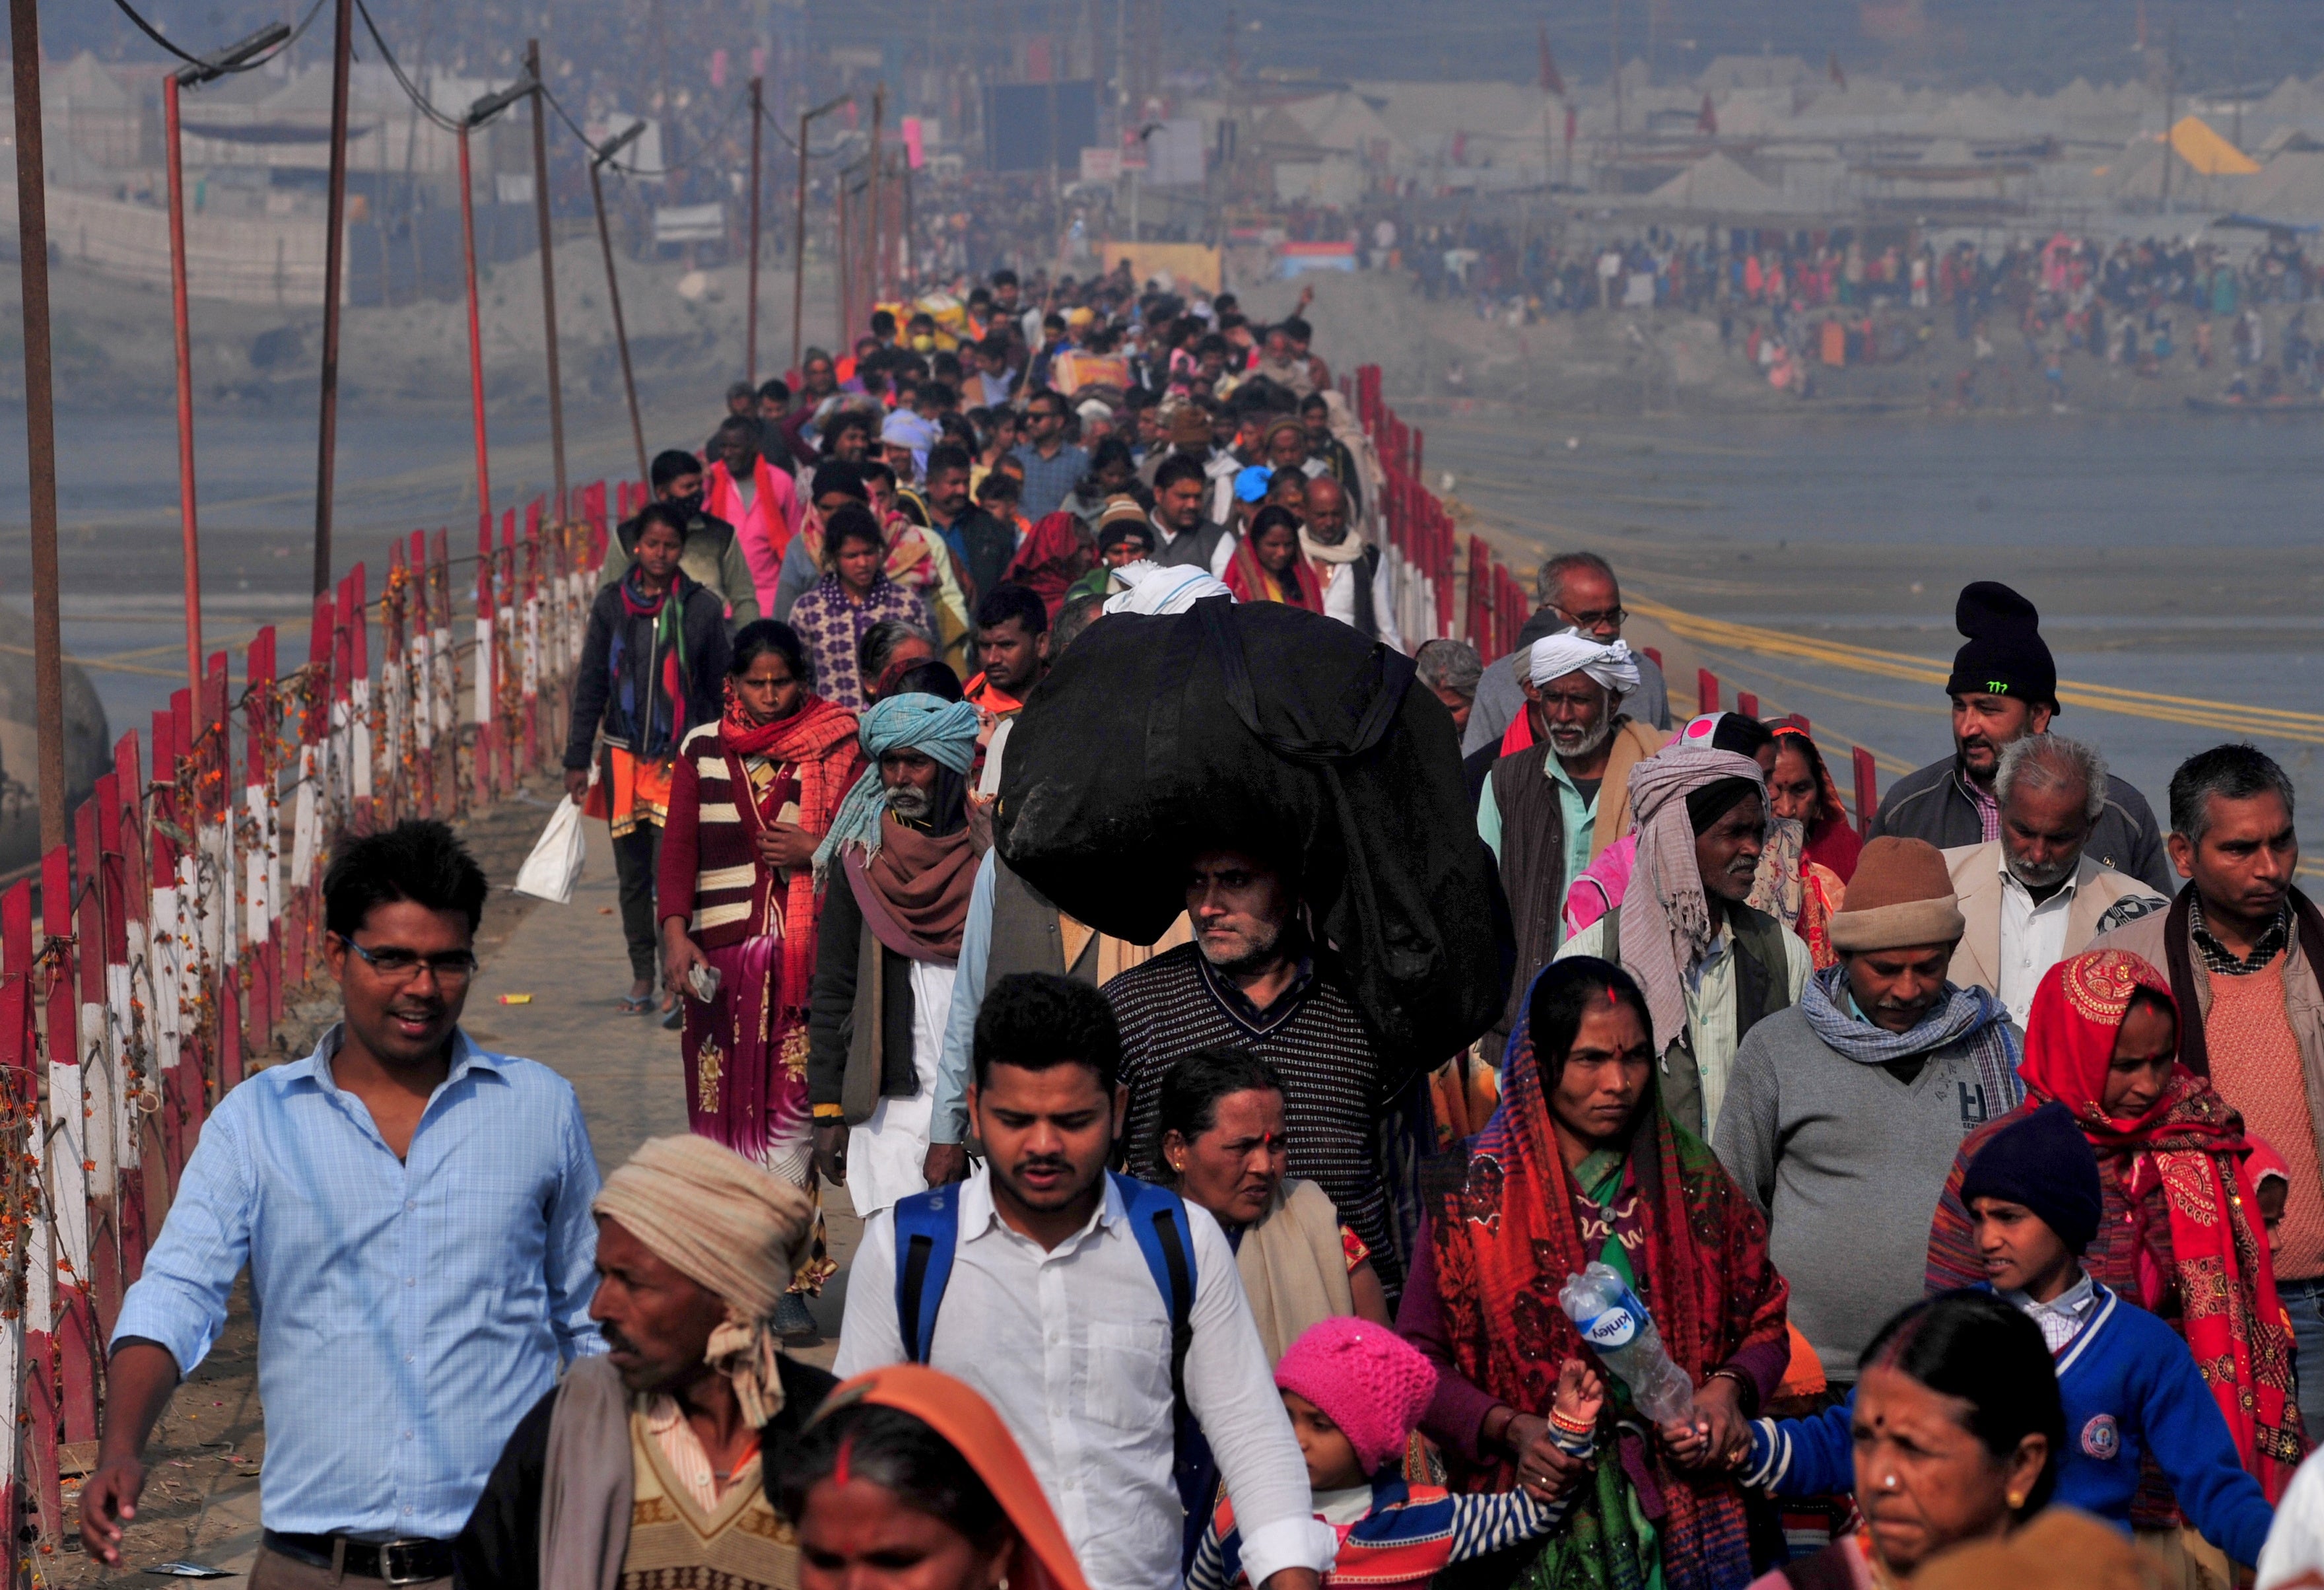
(1844, 1113)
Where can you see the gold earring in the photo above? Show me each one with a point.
(2016, 1502)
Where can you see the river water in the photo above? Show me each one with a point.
(2168, 553)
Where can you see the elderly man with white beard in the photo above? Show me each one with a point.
(1541, 808)
(2036, 895)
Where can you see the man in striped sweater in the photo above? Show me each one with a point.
(1254, 979)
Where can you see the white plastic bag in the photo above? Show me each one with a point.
(554, 866)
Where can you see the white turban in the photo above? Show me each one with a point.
(1158, 591)
(1609, 662)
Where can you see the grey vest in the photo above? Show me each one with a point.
(1026, 937)
(1194, 549)
(1762, 987)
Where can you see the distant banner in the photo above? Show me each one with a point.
(1190, 264)
(690, 223)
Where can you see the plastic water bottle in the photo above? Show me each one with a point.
(1621, 1332)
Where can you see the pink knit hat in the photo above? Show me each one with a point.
(1367, 1379)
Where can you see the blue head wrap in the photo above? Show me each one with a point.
(946, 730)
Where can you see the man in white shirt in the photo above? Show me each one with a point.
(1359, 587)
(1051, 1311)
(2035, 896)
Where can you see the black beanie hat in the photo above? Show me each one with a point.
(2042, 1161)
(2006, 654)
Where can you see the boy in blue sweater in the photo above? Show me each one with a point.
(2129, 1384)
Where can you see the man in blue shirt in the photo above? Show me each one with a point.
(1053, 465)
(415, 1215)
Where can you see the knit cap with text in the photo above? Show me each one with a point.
(1620, 1331)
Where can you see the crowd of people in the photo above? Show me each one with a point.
(1948, 1184)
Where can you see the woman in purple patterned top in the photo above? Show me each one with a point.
(854, 594)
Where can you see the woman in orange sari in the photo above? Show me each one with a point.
(907, 1463)
(1267, 566)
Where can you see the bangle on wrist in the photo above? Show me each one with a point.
(1571, 1426)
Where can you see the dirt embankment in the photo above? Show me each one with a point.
(1665, 360)
(113, 347)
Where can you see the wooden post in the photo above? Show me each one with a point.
(334, 264)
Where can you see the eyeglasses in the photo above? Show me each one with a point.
(1613, 616)
(400, 966)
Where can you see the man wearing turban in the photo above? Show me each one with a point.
(646, 1465)
(888, 945)
(1711, 967)
(1548, 808)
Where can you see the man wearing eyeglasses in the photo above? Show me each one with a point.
(1579, 592)
(414, 1211)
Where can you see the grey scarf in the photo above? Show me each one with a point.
(588, 1481)
(1967, 1015)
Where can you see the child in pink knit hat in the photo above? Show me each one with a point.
(1355, 1391)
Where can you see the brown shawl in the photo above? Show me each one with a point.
(913, 893)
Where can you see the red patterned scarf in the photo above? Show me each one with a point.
(1507, 1242)
(2193, 1144)
(818, 742)
(1248, 580)
(665, 611)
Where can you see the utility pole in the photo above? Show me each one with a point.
(751, 336)
(334, 247)
(189, 528)
(547, 264)
(2169, 107)
(798, 237)
(39, 431)
(878, 200)
(1614, 54)
(613, 147)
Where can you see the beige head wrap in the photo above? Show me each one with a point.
(1666, 926)
(727, 1226)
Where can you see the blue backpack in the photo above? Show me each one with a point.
(927, 1234)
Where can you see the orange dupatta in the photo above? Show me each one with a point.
(1043, 1560)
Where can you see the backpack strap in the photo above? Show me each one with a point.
(1157, 1219)
(927, 1236)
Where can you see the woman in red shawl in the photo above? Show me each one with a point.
(750, 798)
(1267, 566)
(1801, 786)
(1580, 1163)
(2181, 1232)
(1053, 555)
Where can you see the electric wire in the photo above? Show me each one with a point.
(154, 33)
(420, 101)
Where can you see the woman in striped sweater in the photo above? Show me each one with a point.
(750, 798)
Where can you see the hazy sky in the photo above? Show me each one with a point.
(2023, 43)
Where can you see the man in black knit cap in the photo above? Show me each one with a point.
(2004, 686)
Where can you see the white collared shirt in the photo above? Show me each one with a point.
(1340, 580)
(2033, 939)
(1071, 1347)
(2061, 1319)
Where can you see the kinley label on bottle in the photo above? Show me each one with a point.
(1616, 1325)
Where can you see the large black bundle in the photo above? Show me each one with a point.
(1270, 729)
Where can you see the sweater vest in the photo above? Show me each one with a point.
(744, 1544)
(2255, 1065)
